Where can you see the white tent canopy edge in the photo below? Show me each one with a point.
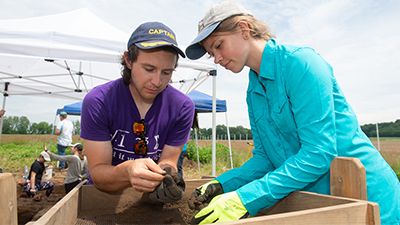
(66, 55)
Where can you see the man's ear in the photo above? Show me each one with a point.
(127, 61)
(243, 27)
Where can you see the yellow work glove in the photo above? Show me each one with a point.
(223, 208)
(204, 194)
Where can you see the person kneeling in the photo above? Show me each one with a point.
(34, 182)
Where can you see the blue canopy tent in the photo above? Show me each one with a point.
(202, 102)
(72, 109)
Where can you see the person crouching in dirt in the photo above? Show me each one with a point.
(34, 182)
(77, 165)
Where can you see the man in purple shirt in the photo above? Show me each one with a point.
(136, 126)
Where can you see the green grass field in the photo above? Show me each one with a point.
(15, 155)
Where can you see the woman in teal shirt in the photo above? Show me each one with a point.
(299, 118)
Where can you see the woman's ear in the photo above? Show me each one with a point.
(127, 61)
(243, 27)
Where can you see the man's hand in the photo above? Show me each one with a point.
(144, 174)
(204, 194)
(222, 208)
(33, 191)
(171, 189)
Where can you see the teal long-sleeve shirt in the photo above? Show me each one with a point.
(300, 123)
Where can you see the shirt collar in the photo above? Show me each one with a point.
(267, 68)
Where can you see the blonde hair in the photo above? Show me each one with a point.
(258, 29)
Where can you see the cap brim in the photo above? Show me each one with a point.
(156, 44)
(45, 156)
(195, 50)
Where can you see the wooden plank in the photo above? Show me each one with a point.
(351, 213)
(8, 199)
(300, 200)
(374, 217)
(65, 211)
(297, 208)
(348, 178)
(208, 177)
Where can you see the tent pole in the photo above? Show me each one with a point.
(52, 130)
(213, 73)
(377, 137)
(197, 148)
(4, 106)
(229, 138)
(2, 118)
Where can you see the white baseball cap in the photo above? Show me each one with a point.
(45, 156)
(78, 146)
(209, 22)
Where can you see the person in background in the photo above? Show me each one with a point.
(34, 182)
(180, 160)
(299, 117)
(77, 165)
(2, 112)
(64, 131)
(134, 128)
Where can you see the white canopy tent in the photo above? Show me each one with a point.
(66, 55)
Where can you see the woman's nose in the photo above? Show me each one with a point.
(217, 59)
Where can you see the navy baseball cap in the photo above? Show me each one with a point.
(153, 35)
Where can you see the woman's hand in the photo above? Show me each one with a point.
(45, 149)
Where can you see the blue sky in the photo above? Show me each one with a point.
(359, 38)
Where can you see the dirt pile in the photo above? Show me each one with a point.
(30, 209)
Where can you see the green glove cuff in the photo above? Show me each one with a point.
(223, 208)
(203, 187)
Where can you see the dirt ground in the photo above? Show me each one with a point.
(30, 210)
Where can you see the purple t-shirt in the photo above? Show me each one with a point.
(109, 112)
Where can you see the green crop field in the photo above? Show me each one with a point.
(18, 151)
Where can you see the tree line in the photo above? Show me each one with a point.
(389, 129)
(236, 133)
(22, 125)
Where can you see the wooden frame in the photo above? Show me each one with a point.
(347, 179)
(297, 208)
(8, 199)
